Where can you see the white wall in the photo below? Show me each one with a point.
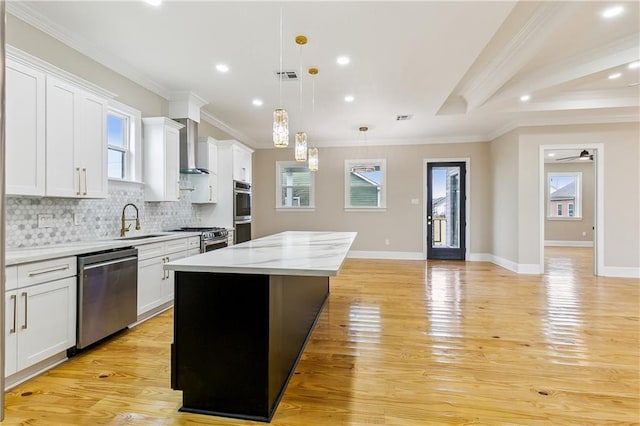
(401, 223)
(621, 180)
(504, 186)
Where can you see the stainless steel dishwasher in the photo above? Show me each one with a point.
(107, 293)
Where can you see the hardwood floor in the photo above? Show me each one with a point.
(400, 343)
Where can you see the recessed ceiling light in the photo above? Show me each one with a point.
(349, 98)
(222, 68)
(343, 60)
(614, 76)
(612, 11)
(525, 98)
(154, 2)
(634, 65)
(257, 102)
(551, 154)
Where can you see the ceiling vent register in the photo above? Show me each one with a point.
(404, 117)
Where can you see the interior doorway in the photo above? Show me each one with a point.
(570, 195)
(446, 210)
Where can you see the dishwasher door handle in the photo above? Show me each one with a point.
(109, 262)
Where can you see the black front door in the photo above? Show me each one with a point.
(446, 213)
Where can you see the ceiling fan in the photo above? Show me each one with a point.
(584, 156)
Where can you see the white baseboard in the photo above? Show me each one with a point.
(518, 268)
(620, 272)
(554, 243)
(400, 255)
(504, 263)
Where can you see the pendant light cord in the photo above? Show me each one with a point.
(280, 79)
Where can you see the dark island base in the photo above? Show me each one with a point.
(238, 339)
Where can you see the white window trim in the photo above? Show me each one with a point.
(578, 202)
(133, 163)
(383, 185)
(312, 190)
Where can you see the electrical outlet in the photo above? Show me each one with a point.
(386, 242)
(45, 220)
(415, 201)
(584, 234)
(78, 218)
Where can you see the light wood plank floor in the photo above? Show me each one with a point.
(400, 343)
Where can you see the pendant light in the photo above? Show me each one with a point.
(280, 115)
(313, 159)
(300, 147)
(313, 152)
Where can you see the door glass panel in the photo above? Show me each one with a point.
(445, 207)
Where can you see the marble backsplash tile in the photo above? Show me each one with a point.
(97, 219)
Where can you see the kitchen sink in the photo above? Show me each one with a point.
(142, 237)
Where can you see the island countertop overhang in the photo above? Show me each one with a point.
(302, 253)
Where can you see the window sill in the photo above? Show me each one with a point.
(295, 209)
(124, 182)
(554, 218)
(365, 209)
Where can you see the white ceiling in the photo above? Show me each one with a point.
(459, 68)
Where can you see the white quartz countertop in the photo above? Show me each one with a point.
(287, 253)
(34, 254)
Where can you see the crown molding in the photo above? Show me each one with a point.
(562, 121)
(24, 12)
(521, 48)
(209, 118)
(17, 55)
(618, 52)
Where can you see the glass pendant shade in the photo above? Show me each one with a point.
(313, 159)
(280, 128)
(301, 146)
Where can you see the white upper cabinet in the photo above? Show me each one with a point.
(241, 164)
(56, 141)
(161, 158)
(25, 130)
(76, 142)
(205, 187)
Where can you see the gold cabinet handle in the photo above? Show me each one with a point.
(84, 169)
(24, 294)
(15, 312)
(79, 184)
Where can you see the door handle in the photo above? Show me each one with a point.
(84, 169)
(15, 312)
(164, 273)
(79, 183)
(210, 192)
(24, 294)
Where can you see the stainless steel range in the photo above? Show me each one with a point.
(210, 238)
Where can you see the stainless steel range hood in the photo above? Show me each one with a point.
(188, 147)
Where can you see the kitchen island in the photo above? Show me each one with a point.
(243, 315)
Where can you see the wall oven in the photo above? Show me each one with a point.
(242, 211)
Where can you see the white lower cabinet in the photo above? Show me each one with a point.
(155, 285)
(40, 318)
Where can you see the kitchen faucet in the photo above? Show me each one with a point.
(123, 220)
